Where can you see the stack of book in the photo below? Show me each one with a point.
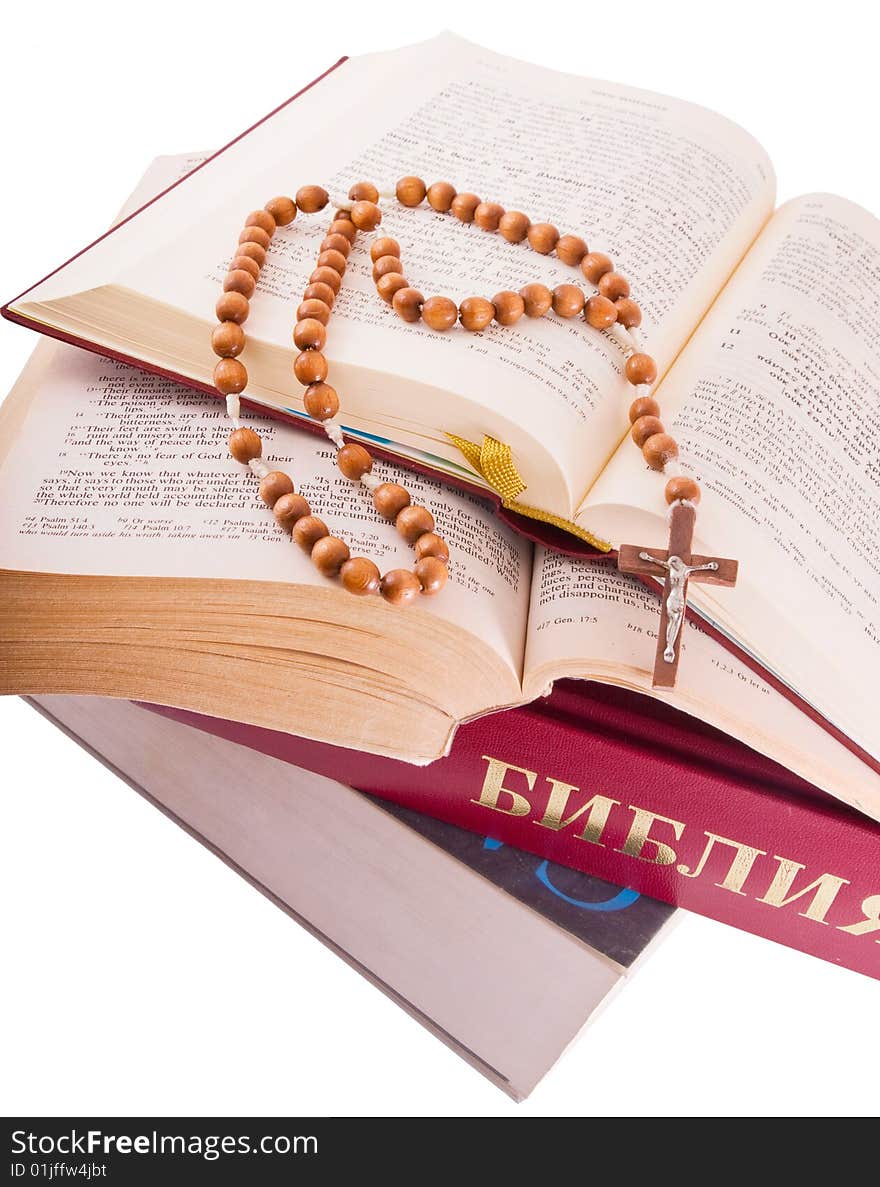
(507, 736)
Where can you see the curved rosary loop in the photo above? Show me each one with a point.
(610, 309)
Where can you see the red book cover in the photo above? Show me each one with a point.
(646, 797)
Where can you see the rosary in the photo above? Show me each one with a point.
(610, 306)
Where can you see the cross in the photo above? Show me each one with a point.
(677, 565)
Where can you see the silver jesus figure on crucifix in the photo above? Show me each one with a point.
(676, 599)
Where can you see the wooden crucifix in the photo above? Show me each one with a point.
(676, 565)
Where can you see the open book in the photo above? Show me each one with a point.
(770, 389)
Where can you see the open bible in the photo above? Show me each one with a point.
(772, 391)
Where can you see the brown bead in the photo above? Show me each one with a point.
(255, 235)
(432, 575)
(640, 368)
(312, 308)
(239, 281)
(228, 340)
(440, 313)
(289, 509)
(253, 251)
(366, 216)
(309, 530)
(354, 461)
(476, 313)
(400, 586)
(386, 264)
(309, 334)
(440, 196)
(514, 226)
(363, 191)
(543, 237)
(390, 498)
(537, 299)
(613, 286)
(311, 198)
(283, 210)
(344, 227)
(230, 377)
(389, 284)
(682, 488)
(246, 263)
(333, 259)
(659, 449)
(407, 304)
(329, 554)
(360, 576)
(571, 249)
(336, 243)
(568, 300)
(317, 291)
(643, 406)
(232, 307)
(245, 445)
(320, 400)
(594, 265)
(410, 191)
(430, 544)
(628, 313)
(600, 313)
(413, 521)
(644, 427)
(384, 246)
(275, 484)
(463, 206)
(262, 219)
(488, 215)
(310, 367)
(328, 276)
(509, 307)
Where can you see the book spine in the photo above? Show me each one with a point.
(718, 835)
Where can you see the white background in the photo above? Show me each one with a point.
(140, 976)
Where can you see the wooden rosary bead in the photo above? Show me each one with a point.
(594, 265)
(400, 586)
(628, 313)
(360, 576)
(366, 216)
(311, 198)
(384, 246)
(336, 243)
(463, 207)
(246, 263)
(386, 264)
(354, 461)
(363, 191)
(253, 251)
(333, 259)
(239, 281)
(329, 554)
(310, 367)
(430, 544)
(645, 427)
(571, 249)
(245, 445)
(282, 210)
(514, 226)
(262, 219)
(537, 299)
(407, 304)
(440, 196)
(413, 521)
(308, 531)
(488, 216)
(390, 498)
(389, 284)
(410, 191)
(568, 300)
(659, 450)
(230, 377)
(309, 334)
(328, 276)
(321, 401)
(432, 574)
(600, 313)
(232, 307)
(640, 368)
(643, 406)
(228, 340)
(476, 313)
(255, 235)
(682, 488)
(289, 509)
(542, 237)
(313, 308)
(440, 313)
(509, 307)
(317, 291)
(613, 286)
(344, 227)
(273, 485)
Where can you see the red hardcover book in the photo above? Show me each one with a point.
(644, 796)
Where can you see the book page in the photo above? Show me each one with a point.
(674, 193)
(776, 407)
